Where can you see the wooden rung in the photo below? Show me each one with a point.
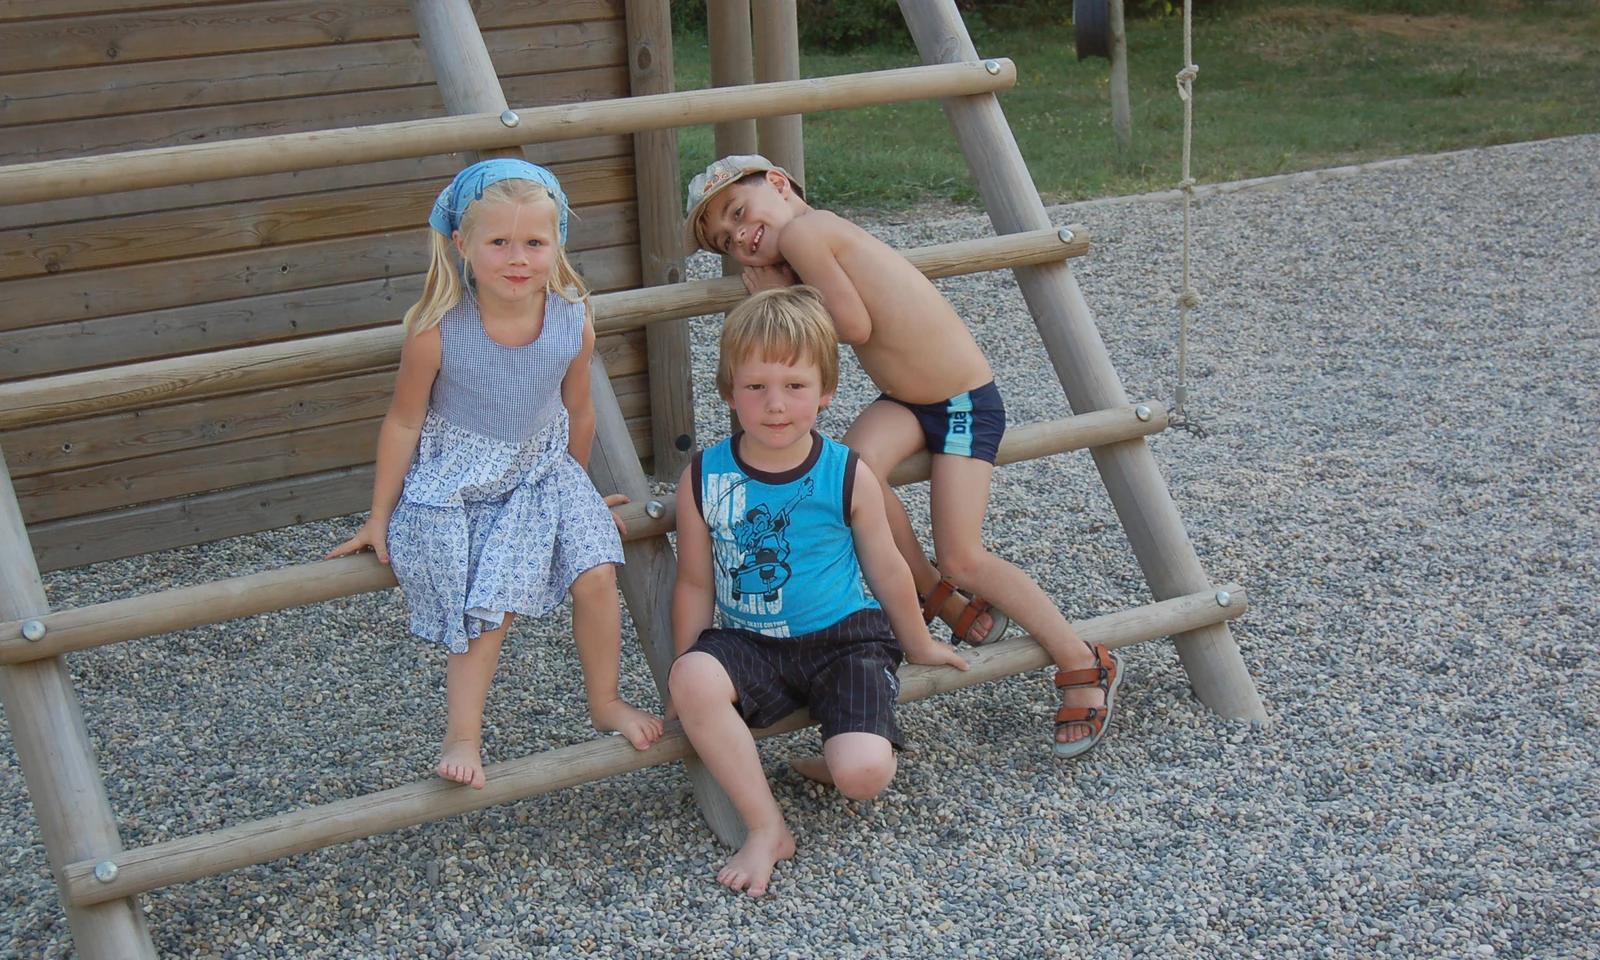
(102, 624)
(281, 153)
(136, 385)
(191, 858)
(630, 309)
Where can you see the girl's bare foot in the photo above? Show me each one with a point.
(751, 868)
(813, 768)
(642, 729)
(462, 763)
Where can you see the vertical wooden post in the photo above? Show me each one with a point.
(646, 579)
(57, 758)
(777, 57)
(728, 33)
(1121, 117)
(655, 162)
(1210, 657)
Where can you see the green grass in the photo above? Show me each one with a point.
(1281, 88)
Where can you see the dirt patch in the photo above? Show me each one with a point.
(1286, 34)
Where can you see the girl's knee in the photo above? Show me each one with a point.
(595, 583)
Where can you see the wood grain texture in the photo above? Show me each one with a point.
(98, 136)
(249, 189)
(140, 288)
(203, 29)
(54, 96)
(77, 444)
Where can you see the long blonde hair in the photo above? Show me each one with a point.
(444, 285)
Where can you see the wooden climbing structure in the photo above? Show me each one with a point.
(200, 337)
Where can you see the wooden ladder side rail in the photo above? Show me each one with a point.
(1155, 530)
(153, 614)
(312, 828)
(288, 152)
(57, 758)
(136, 385)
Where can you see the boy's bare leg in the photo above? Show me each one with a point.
(860, 765)
(467, 679)
(959, 497)
(704, 696)
(884, 435)
(597, 629)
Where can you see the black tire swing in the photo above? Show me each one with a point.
(1091, 27)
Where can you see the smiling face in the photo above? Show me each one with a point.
(511, 248)
(743, 220)
(777, 402)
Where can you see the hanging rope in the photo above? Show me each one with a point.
(1188, 298)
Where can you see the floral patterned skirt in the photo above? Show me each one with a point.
(485, 528)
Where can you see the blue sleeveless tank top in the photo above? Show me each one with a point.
(508, 393)
(783, 553)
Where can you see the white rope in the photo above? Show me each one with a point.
(1188, 298)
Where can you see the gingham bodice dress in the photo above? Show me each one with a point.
(496, 516)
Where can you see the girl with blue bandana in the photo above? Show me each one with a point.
(481, 503)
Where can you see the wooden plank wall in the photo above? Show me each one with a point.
(136, 276)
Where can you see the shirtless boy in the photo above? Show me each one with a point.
(938, 393)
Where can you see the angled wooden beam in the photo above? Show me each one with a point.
(57, 758)
(1171, 567)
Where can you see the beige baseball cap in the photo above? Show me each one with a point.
(719, 175)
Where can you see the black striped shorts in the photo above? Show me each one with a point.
(844, 673)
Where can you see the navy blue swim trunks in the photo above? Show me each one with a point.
(967, 425)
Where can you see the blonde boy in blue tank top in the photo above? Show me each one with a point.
(776, 528)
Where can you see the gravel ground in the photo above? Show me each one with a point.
(1396, 372)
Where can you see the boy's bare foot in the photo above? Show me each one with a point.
(751, 868)
(642, 729)
(813, 768)
(462, 763)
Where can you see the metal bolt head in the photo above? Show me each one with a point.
(510, 118)
(1142, 412)
(33, 629)
(993, 66)
(1067, 236)
(1224, 598)
(656, 509)
(105, 871)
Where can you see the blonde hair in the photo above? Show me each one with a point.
(444, 285)
(786, 325)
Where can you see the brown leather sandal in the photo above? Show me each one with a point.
(961, 630)
(1105, 674)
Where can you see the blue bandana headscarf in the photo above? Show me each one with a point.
(469, 185)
